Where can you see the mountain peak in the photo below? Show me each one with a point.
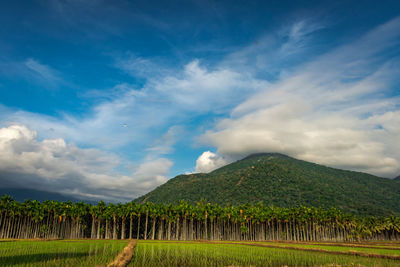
(259, 155)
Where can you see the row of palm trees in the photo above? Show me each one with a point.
(183, 221)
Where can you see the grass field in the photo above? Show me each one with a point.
(192, 253)
(390, 250)
(59, 253)
(150, 253)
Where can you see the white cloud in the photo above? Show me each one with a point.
(201, 90)
(141, 67)
(209, 161)
(336, 110)
(54, 165)
(149, 112)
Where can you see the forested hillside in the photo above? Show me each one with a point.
(283, 181)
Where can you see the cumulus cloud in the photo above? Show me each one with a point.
(54, 165)
(337, 110)
(209, 161)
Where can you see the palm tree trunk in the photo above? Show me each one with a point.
(130, 226)
(138, 228)
(93, 233)
(169, 230)
(153, 230)
(123, 228)
(145, 225)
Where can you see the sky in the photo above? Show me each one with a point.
(110, 99)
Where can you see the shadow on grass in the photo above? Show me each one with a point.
(32, 258)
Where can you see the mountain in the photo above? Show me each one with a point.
(20, 194)
(279, 180)
(397, 178)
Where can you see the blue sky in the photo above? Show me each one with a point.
(108, 99)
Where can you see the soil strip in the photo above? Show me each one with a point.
(125, 256)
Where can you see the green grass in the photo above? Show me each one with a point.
(381, 250)
(59, 253)
(180, 253)
(158, 254)
(375, 244)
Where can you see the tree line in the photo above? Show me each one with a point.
(184, 221)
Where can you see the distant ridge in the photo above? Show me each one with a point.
(280, 180)
(397, 178)
(21, 194)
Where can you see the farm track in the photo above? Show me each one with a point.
(125, 256)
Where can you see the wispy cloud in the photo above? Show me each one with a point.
(42, 71)
(276, 52)
(298, 36)
(164, 145)
(32, 71)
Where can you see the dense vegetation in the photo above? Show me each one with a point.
(282, 181)
(50, 219)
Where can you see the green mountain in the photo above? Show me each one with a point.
(397, 178)
(283, 181)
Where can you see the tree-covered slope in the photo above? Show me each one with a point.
(283, 181)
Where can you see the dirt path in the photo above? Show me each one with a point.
(125, 256)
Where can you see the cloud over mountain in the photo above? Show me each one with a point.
(337, 110)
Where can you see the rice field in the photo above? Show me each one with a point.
(59, 253)
(150, 253)
(194, 253)
(332, 247)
